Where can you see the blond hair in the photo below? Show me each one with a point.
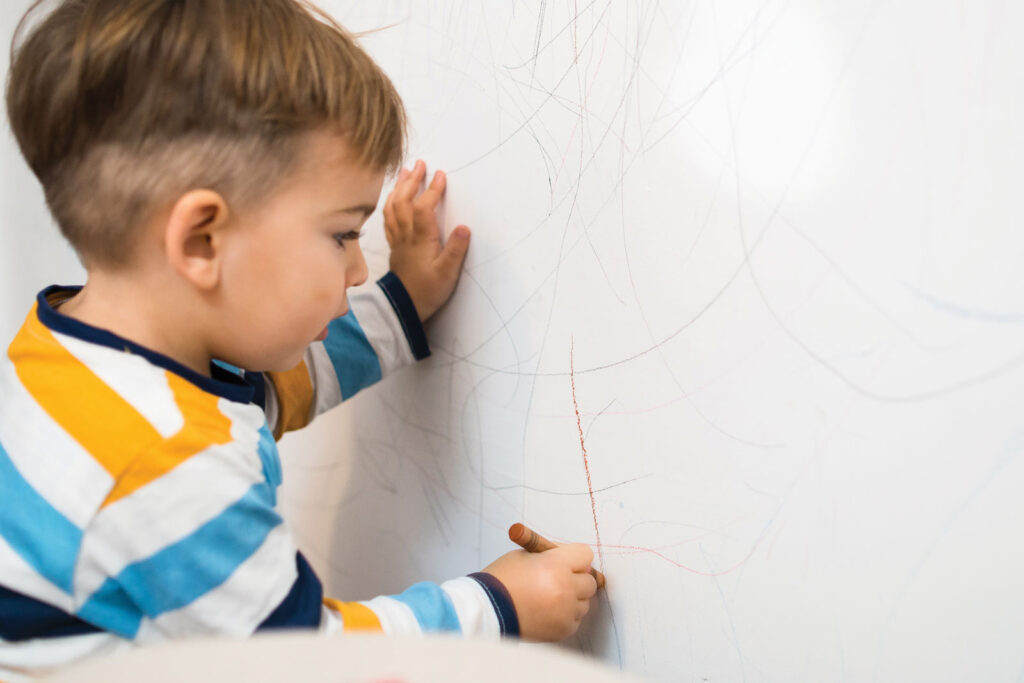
(118, 105)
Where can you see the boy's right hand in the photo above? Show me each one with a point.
(551, 590)
(427, 268)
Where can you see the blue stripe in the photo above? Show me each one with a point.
(271, 461)
(355, 362)
(303, 606)
(41, 535)
(233, 369)
(189, 569)
(433, 608)
(24, 618)
(112, 609)
(400, 300)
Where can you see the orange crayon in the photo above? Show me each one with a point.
(532, 542)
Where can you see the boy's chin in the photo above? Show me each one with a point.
(284, 365)
(280, 363)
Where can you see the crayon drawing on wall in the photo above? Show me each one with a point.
(742, 311)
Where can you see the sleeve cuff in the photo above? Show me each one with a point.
(399, 298)
(501, 601)
(302, 607)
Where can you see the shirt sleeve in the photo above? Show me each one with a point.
(202, 549)
(476, 605)
(380, 334)
(194, 544)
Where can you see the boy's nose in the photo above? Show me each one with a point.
(358, 271)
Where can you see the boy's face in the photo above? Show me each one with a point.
(289, 260)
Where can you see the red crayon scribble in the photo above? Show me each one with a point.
(631, 549)
(583, 446)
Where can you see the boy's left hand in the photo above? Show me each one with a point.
(427, 269)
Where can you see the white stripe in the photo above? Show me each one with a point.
(243, 601)
(396, 618)
(164, 511)
(326, 390)
(140, 383)
(330, 621)
(34, 656)
(382, 328)
(19, 576)
(49, 459)
(473, 607)
(246, 421)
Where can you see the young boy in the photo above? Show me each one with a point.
(212, 163)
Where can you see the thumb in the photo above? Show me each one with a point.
(576, 555)
(455, 249)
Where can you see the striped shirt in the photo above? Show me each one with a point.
(138, 498)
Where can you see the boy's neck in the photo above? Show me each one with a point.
(132, 310)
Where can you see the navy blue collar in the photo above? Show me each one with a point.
(240, 388)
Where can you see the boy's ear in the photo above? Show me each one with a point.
(194, 237)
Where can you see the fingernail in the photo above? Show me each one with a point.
(461, 232)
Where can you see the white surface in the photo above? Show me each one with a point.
(348, 659)
(784, 239)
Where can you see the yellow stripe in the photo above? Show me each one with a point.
(62, 385)
(109, 428)
(294, 398)
(356, 616)
(205, 426)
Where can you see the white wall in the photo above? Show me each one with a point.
(784, 239)
(32, 252)
(781, 242)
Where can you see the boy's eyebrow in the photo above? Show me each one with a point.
(365, 209)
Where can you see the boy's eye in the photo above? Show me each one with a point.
(342, 237)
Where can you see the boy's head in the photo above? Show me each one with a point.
(121, 106)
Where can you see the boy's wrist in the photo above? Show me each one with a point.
(501, 601)
(405, 309)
